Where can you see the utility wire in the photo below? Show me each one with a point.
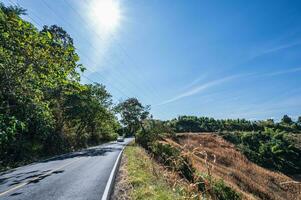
(107, 60)
(84, 54)
(101, 39)
(126, 54)
(116, 88)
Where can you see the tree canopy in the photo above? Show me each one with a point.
(286, 119)
(132, 114)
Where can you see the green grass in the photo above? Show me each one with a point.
(145, 178)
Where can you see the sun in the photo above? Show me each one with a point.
(106, 14)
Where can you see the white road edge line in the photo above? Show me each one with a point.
(106, 194)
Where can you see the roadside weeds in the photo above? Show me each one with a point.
(141, 177)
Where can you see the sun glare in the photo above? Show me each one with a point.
(106, 13)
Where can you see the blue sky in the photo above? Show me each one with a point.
(223, 59)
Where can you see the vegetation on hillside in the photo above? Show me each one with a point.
(180, 160)
(225, 161)
(267, 143)
(44, 109)
(217, 170)
(270, 148)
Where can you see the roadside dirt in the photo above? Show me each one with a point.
(122, 187)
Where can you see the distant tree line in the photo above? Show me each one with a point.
(44, 109)
(206, 124)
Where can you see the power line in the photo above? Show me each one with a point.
(102, 77)
(26, 14)
(127, 55)
(107, 60)
(116, 88)
(99, 37)
(71, 26)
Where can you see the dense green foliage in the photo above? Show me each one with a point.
(269, 148)
(44, 109)
(172, 158)
(133, 113)
(206, 124)
(224, 192)
(153, 130)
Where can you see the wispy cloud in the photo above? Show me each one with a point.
(283, 72)
(200, 88)
(272, 50)
(281, 47)
(195, 81)
(205, 86)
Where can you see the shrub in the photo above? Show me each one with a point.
(173, 158)
(151, 131)
(223, 192)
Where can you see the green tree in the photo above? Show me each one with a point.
(286, 119)
(89, 111)
(132, 113)
(153, 130)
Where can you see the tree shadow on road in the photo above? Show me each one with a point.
(101, 151)
(12, 179)
(34, 179)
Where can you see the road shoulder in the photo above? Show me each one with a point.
(141, 177)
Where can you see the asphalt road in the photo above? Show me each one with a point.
(74, 176)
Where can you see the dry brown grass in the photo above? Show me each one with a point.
(122, 187)
(226, 162)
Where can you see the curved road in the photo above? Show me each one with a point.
(78, 175)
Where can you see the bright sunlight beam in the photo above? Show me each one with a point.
(106, 13)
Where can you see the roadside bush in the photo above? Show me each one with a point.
(10, 130)
(171, 157)
(165, 152)
(152, 131)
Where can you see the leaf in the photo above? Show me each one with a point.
(20, 22)
(49, 35)
(6, 35)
